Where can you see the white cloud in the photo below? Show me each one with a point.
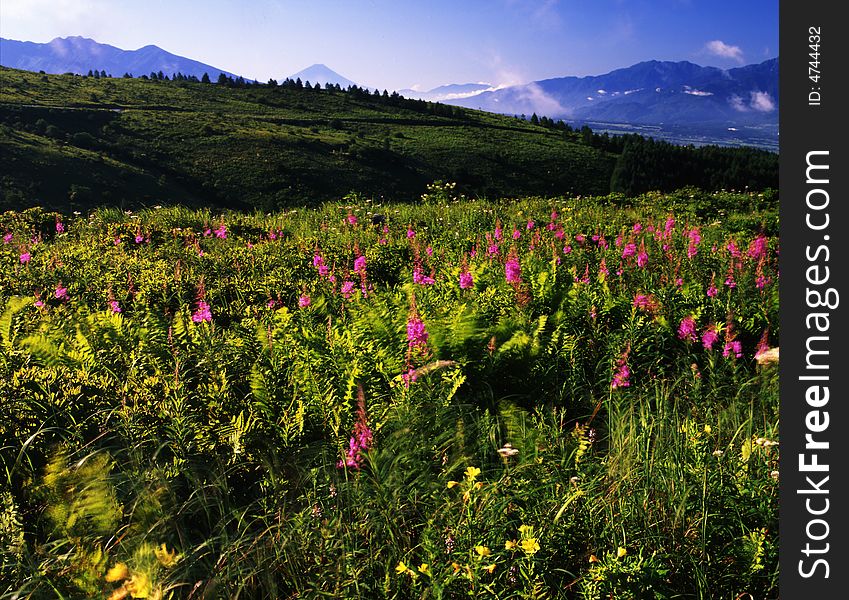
(723, 50)
(758, 101)
(762, 102)
(698, 93)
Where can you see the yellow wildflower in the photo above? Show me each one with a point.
(620, 552)
(165, 558)
(510, 544)
(401, 568)
(526, 529)
(472, 473)
(138, 585)
(455, 566)
(482, 551)
(479, 485)
(117, 573)
(451, 484)
(530, 546)
(593, 558)
(490, 568)
(424, 568)
(708, 429)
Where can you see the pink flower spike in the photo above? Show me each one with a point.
(114, 306)
(516, 234)
(139, 238)
(25, 257)
(466, 280)
(360, 264)
(347, 288)
(687, 329)
(8, 238)
(60, 227)
(410, 234)
(513, 271)
(61, 293)
(304, 301)
(709, 338)
(203, 313)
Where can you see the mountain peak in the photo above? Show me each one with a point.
(321, 74)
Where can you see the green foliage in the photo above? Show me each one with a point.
(182, 387)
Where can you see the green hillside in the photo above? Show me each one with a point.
(70, 142)
(90, 141)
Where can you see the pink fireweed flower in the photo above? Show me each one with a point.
(139, 238)
(114, 306)
(512, 270)
(61, 293)
(516, 234)
(559, 234)
(642, 258)
(39, 304)
(323, 270)
(271, 303)
(117, 240)
(637, 228)
(417, 334)
(669, 226)
(221, 232)
(492, 249)
(622, 373)
(352, 219)
(761, 281)
(586, 277)
(499, 233)
(602, 243)
(567, 249)
(466, 280)
(304, 301)
(25, 257)
(317, 260)
(347, 288)
(694, 235)
(618, 241)
(411, 234)
(712, 292)
(732, 249)
(530, 225)
(551, 226)
(602, 268)
(360, 264)
(421, 278)
(429, 251)
(645, 302)
(757, 248)
(629, 250)
(687, 329)
(580, 238)
(733, 347)
(554, 215)
(360, 441)
(207, 232)
(729, 281)
(202, 313)
(8, 238)
(60, 227)
(679, 282)
(709, 338)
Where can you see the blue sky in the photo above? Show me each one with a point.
(399, 44)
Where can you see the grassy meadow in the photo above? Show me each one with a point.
(565, 397)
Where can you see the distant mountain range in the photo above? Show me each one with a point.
(653, 92)
(739, 103)
(80, 55)
(451, 91)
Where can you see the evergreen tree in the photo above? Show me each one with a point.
(205, 78)
(222, 78)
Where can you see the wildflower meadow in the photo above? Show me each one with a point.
(522, 398)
